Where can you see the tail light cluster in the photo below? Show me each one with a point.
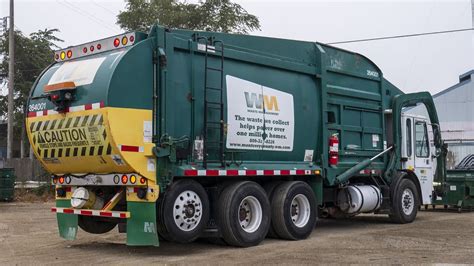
(101, 180)
(95, 47)
(129, 179)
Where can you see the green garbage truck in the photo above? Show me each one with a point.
(180, 134)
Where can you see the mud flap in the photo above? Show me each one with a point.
(141, 226)
(67, 223)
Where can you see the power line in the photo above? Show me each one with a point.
(401, 36)
(86, 14)
(104, 8)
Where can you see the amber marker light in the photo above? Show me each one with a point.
(124, 40)
(63, 55)
(133, 179)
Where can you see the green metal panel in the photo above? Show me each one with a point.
(67, 223)
(123, 79)
(141, 226)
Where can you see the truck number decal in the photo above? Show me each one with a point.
(36, 107)
(371, 73)
(259, 118)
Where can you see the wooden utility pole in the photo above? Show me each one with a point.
(11, 78)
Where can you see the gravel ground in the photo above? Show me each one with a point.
(28, 235)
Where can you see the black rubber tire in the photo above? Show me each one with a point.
(281, 210)
(94, 225)
(160, 225)
(167, 227)
(397, 215)
(269, 189)
(228, 214)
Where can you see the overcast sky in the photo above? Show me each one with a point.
(430, 63)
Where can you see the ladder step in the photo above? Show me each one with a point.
(214, 122)
(215, 141)
(215, 69)
(211, 102)
(213, 88)
(214, 161)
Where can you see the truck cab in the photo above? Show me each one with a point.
(417, 152)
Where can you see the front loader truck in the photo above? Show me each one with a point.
(178, 134)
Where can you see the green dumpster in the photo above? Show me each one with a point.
(7, 184)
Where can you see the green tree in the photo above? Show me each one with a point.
(209, 15)
(33, 53)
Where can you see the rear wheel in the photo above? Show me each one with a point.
(293, 210)
(405, 202)
(183, 212)
(243, 214)
(94, 225)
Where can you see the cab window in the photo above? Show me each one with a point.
(408, 138)
(421, 138)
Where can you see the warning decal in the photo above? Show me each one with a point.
(70, 137)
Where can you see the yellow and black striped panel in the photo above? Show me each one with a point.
(74, 136)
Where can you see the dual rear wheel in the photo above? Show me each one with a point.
(245, 212)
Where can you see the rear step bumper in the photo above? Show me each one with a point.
(85, 212)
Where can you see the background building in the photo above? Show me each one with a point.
(455, 106)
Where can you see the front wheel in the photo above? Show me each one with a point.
(405, 202)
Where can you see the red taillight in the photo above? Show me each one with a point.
(124, 179)
(116, 42)
(91, 48)
(99, 46)
(69, 54)
(55, 180)
(57, 56)
(55, 97)
(142, 180)
(131, 38)
(61, 180)
(84, 50)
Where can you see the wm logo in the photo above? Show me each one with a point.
(149, 227)
(260, 101)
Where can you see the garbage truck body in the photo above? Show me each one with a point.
(179, 134)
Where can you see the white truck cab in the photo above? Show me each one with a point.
(417, 152)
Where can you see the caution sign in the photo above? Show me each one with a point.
(70, 137)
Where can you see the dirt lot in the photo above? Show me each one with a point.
(28, 235)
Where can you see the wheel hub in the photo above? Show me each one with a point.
(407, 201)
(250, 214)
(187, 210)
(300, 210)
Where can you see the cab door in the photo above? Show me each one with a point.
(423, 160)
